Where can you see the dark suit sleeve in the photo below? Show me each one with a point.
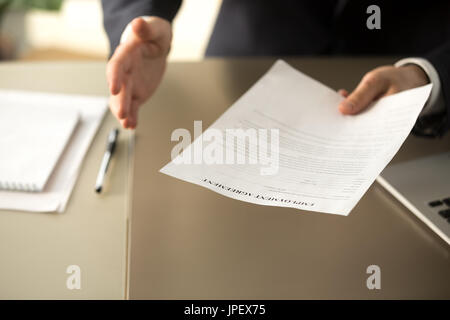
(118, 13)
(440, 59)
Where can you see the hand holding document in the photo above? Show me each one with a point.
(318, 160)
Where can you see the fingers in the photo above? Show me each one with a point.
(120, 81)
(114, 76)
(133, 116)
(130, 121)
(124, 99)
(126, 124)
(118, 67)
(114, 105)
(120, 104)
(149, 39)
(373, 85)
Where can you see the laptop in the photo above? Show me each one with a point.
(423, 186)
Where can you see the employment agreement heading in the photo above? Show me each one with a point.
(293, 148)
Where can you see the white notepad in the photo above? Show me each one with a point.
(32, 139)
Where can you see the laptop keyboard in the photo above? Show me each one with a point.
(443, 205)
(447, 201)
(435, 203)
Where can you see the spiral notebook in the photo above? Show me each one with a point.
(32, 139)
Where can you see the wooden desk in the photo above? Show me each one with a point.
(36, 248)
(188, 242)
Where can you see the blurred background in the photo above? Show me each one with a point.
(73, 30)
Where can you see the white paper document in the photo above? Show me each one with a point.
(56, 192)
(319, 160)
(31, 147)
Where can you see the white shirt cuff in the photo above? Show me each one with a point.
(435, 103)
(126, 33)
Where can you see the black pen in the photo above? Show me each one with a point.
(111, 146)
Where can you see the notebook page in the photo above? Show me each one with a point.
(58, 189)
(32, 139)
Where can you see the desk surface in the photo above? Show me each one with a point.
(36, 248)
(189, 242)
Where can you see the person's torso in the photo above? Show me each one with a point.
(310, 27)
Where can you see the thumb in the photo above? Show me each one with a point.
(148, 29)
(368, 90)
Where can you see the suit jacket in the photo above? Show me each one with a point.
(313, 27)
